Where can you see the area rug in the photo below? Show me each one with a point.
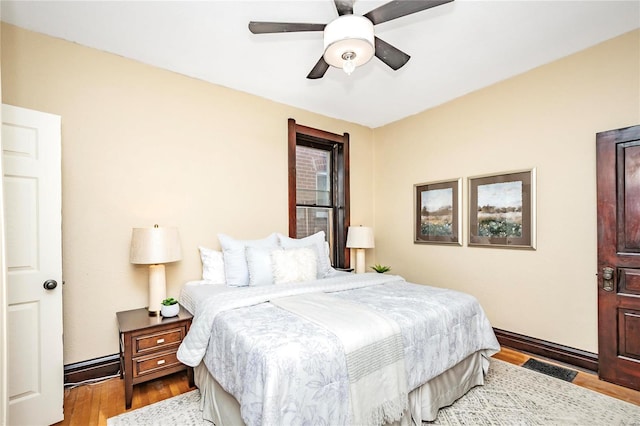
(511, 396)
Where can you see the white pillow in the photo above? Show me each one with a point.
(294, 265)
(259, 264)
(235, 261)
(317, 241)
(212, 265)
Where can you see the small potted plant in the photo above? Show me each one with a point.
(381, 269)
(170, 307)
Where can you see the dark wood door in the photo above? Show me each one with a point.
(618, 175)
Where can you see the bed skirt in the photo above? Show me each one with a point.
(221, 408)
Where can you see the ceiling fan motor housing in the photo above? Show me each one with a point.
(349, 36)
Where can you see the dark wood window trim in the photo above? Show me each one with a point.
(340, 179)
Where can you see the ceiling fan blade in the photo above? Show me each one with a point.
(398, 8)
(345, 7)
(390, 55)
(282, 27)
(319, 69)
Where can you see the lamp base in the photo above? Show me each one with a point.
(157, 289)
(360, 269)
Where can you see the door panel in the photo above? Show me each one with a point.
(629, 281)
(21, 198)
(629, 326)
(23, 377)
(629, 155)
(618, 187)
(32, 188)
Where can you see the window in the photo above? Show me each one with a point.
(319, 187)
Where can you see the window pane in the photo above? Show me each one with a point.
(313, 173)
(314, 219)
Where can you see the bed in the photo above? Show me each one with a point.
(288, 353)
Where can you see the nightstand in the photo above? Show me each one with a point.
(148, 346)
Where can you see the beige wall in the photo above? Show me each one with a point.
(142, 146)
(547, 119)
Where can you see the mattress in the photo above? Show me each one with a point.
(195, 291)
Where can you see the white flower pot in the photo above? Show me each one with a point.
(169, 310)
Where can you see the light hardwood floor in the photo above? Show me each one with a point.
(93, 404)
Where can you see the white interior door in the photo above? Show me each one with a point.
(31, 158)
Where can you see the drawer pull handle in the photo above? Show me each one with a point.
(160, 362)
(160, 341)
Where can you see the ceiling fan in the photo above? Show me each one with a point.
(349, 40)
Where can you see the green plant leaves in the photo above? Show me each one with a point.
(380, 268)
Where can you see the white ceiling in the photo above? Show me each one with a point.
(455, 48)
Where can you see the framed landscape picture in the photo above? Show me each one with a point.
(502, 210)
(437, 212)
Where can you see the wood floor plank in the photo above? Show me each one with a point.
(103, 402)
(115, 402)
(179, 387)
(140, 397)
(511, 356)
(68, 406)
(592, 382)
(82, 406)
(96, 397)
(94, 404)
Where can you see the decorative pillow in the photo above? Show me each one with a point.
(317, 241)
(259, 264)
(327, 253)
(212, 265)
(235, 261)
(294, 265)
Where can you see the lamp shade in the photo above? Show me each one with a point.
(348, 36)
(360, 237)
(151, 246)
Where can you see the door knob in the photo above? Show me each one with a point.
(607, 279)
(50, 284)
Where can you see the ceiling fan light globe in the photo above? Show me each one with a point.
(348, 33)
(348, 66)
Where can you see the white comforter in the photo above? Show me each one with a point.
(284, 369)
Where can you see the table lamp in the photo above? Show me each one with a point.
(360, 238)
(155, 247)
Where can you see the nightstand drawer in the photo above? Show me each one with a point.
(158, 341)
(152, 363)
